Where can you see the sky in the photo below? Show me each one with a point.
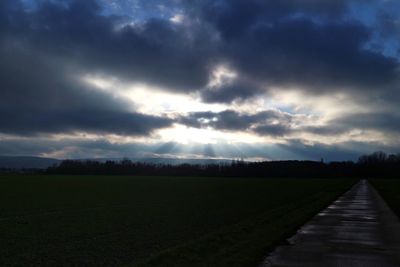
(224, 79)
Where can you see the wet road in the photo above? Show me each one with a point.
(358, 229)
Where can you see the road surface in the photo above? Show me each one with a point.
(358, 229)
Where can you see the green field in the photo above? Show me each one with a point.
(152, 221)
(389, 189)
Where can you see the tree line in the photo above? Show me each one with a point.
(377, 164)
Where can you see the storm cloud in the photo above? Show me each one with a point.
(39, 97)
(41, 91)
(155, 51)
(231, 53)
(269, 122)
(303, 44)
(267, 42)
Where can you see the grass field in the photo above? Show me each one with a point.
(152, 221)
(389, 189)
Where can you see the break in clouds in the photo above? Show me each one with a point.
(258, 79)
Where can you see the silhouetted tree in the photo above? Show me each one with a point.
(377, 165)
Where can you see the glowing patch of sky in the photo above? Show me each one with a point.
(151, 100)
(304, 109)
(330, 105)
(187, 135)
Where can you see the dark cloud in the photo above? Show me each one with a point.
(92, 121)
(272, 45)
(301, 54)
(280, 124)
(156, 51)
(271, 122)
(230, 91)
(327, 130)
(234, 17)
(288, 44)
(10, 12)
(70, 148)
(305, 44)
(385, 122)
(273, 130)
(41, 94)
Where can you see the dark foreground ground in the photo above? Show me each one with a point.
(358, 229)
(389, 189)
(152, 221)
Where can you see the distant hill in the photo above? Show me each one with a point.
(26, 162)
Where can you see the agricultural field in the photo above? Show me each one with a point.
(153, 221)
(389, 189)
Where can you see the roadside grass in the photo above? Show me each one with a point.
(389, 189)
(245, 243)
(152, 221)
